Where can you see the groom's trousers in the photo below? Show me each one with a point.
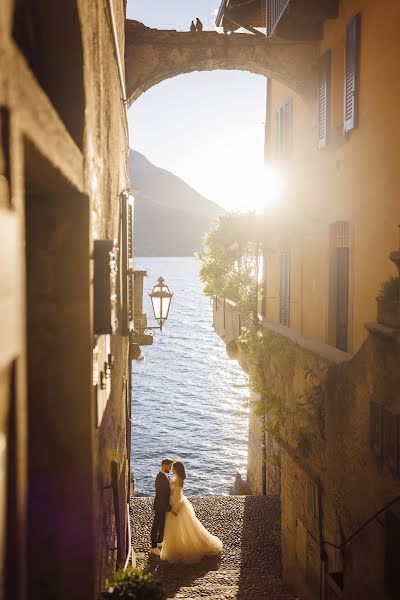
(157, 530)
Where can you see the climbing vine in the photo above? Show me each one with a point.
(262, 349)
(229, 265)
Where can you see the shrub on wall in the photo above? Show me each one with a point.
(390, 290)
(133, 584)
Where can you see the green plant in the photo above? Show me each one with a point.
(390, 290)
(229, 264)
(133, 584)
(232, 348)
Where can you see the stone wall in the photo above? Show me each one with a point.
(63, 165)
(153, 55)
(338, 460)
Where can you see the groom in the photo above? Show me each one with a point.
(161, 506)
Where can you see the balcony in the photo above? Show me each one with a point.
(234, 14)
(299, 19)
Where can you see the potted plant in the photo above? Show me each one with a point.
(388, 302)
(133, 584)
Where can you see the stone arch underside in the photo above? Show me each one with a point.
(153, 55)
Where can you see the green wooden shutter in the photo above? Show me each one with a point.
(324, 92)
(351, 81)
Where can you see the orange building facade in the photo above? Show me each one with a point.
(328, 239)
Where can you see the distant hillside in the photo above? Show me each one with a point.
(170, 217)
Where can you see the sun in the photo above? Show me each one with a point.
(262, 187)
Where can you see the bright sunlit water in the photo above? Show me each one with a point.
(186, 392)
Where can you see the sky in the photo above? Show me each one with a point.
(205, 127)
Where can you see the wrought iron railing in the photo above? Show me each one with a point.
(275, 10)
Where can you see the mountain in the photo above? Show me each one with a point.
(170, 216)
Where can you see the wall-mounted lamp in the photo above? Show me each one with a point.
(161, 297)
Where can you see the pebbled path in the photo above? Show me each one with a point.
(250, 566)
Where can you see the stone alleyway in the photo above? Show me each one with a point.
(250, 565)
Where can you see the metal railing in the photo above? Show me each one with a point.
(275, 10)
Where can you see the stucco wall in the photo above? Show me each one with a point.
(355, 179)
(63, 165)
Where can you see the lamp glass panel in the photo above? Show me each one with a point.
(156, 301)
(165, 307)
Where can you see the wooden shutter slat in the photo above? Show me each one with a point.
(351, 73)
(324, 99)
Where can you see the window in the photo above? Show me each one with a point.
(324, 92)
(284, 296)
(339, 282)
(375, 427)
(126, 264)
(283, 132)
(351, 80)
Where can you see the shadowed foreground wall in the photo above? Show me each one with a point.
(64, 438)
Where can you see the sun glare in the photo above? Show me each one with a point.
(262, 188)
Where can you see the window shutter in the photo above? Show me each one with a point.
(126, 264)
(278, 135)
(284, 306)
(288, 129)
(283, 129)
(351, 73)
(324, 92)
(375, 427)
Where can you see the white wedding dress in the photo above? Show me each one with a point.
(186, 540)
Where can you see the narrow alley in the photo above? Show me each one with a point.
(250, 566)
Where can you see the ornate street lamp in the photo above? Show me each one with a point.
(161, 301)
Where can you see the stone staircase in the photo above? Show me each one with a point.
(250, 566)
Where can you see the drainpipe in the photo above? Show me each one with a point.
(121, 71)
(130, 558)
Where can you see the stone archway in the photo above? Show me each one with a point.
(152, 55)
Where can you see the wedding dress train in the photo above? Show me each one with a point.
(186, 540)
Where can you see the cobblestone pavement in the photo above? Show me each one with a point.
(250, 566)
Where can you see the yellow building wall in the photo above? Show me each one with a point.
(355, 179)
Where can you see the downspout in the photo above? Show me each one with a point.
(121, 71)
(121, 77)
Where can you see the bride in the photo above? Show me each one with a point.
(186, 540)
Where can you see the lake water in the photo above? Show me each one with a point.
(186, 391)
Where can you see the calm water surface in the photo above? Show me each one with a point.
(186, 392)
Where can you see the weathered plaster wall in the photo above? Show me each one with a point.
(76, 178)
(331, 480)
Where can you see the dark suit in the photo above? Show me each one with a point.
(160, 506)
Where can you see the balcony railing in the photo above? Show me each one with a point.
(275, 10)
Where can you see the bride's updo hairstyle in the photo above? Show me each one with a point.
(180, 469)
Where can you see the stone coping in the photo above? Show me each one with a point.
(323, 350)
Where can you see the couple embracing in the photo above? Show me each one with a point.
(177, 535)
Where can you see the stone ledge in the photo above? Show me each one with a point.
(323, 350)
(383, 331)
